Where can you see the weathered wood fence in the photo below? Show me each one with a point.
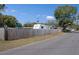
(18, 33)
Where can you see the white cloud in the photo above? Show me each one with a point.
(50, 17)
(8, 10)
(13, 10)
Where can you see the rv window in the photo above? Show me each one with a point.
(42, 27)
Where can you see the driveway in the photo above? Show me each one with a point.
(67, 44)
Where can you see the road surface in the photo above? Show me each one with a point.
(67, 44)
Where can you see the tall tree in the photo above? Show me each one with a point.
(65, 15)
(10, 21)
(2, 8)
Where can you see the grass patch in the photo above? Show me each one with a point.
(5, 45)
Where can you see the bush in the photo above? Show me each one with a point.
(77, 28)
(66, 30)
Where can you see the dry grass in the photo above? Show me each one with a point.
(5, 45)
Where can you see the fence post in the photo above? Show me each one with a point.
(5, 32)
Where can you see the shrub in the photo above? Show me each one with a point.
(66, 30)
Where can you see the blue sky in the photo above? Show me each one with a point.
(32, 12)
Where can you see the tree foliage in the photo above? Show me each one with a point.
(2, 7)
(10, 21)
(65, 14)
(18, 24)
(29, 24)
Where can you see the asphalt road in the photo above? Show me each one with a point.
(67, 44)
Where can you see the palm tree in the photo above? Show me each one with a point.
(2, 7)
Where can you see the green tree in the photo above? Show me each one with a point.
(18, 24)
(29, 24)
(2, 8)
(65, 15)
(77, 19)
(10, 21)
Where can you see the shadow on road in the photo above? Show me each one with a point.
(73, 32)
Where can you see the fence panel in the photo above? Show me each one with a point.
(18, 33)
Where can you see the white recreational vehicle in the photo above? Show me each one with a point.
(40, 26)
